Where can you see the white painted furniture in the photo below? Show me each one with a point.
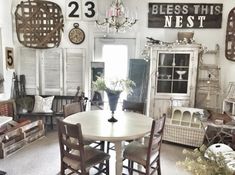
(129, 126)
(184, 127)
(173, 75)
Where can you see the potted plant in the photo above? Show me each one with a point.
(113, 89)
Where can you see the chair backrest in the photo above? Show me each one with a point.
(72, 108)
(70, 138)
(133, 106)
(80, 97)
(156, 136)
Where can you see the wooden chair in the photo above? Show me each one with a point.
(133, 106)
(76, 107)
(72, 108)
(77, 157)
(146, 155)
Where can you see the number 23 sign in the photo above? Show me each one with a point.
(81, 9)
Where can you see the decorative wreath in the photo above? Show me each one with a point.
(38, 24)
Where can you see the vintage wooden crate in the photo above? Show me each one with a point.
(11, 142)
(33, 131)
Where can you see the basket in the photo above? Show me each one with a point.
(185, 35)
(184, 135)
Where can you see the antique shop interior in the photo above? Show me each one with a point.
(117, 87)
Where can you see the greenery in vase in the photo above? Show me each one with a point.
(113, 86)
(197, 164)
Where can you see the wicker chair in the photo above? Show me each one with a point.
(146, 155)
(76, 157)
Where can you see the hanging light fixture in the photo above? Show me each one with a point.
(117, 18)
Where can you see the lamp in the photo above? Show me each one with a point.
(117, 18)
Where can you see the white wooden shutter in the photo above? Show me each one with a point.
(74, 70)
(28, 65)
(51, 72)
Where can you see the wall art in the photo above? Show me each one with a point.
(39, 24)
(185, 15)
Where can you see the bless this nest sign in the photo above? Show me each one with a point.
(180, 15)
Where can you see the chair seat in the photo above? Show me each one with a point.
(92, 157)
(137, 152)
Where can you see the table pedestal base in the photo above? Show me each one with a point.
(118, 149)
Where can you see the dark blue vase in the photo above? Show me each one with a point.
(113, 97)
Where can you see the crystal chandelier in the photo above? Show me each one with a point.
(117, 18)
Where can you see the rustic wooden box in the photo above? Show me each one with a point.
(33, 131)
(11, 142)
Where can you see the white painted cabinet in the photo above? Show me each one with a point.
(173, 74)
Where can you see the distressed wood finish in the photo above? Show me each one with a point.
(15, 139)
(33, 131)
(38, 24)
(11, 142)
(230, 40)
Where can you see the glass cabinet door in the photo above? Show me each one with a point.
(173, 71)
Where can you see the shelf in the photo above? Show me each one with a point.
(186, 117)
(195, 125)
(185, 67)
(185, 123)
(172, 80)
(175, 122)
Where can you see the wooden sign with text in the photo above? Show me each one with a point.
(181, 15)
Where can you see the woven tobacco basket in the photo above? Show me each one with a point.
(38, 24)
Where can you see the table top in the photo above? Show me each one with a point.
(95, 125)
(4, 120)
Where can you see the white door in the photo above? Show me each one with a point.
(115, 53)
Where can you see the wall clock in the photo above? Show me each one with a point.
(76, 35)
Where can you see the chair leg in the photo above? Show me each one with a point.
(102, 145)
(158, 167)
(51, 122)
(130, 167)
(108, 145)
(107, 167)
(62, 169)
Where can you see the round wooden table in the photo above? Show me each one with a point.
(129, 126)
